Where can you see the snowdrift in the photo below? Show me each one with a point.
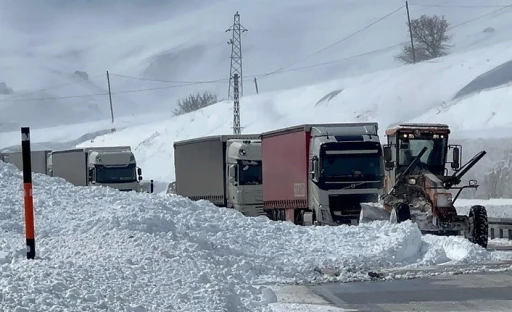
(99, 248)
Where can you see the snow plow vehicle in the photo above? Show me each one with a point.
(419, 188)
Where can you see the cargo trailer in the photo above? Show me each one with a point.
(222, 169)
(113, 166)
(321, 173)
(38, 160)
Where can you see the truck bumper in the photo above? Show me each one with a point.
(345, 208)
(250, 210)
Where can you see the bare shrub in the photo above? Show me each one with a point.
(194, 102)
(429, 34)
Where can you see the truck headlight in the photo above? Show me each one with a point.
(411, 181)
(443, 199)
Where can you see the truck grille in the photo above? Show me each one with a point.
(345, 208)
(359, 185)
(258, 196)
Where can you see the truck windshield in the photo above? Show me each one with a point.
(410, 148)
(249, 172)
(116, 174)
(351, 165)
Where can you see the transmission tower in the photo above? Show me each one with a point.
(237, 129)
(236, 56)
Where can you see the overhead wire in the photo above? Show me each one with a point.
(17, 95)
(284, 69)
(334, 43)
(170, 81)
(456, 6)
(106, 93)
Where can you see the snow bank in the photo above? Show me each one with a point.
(99, 248)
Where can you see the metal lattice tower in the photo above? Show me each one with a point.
(237, 129)
(236, 55)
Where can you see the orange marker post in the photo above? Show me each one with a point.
(27, 187)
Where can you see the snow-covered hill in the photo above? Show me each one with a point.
(186, 41)
(422, 92)
(98, 248)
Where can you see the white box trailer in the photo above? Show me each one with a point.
(109, 166)
(201, 167)
(38, 160)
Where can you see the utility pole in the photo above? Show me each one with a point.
(110, 99)
(256, 85)
(236, 55)
(410, 32)
(236, 106)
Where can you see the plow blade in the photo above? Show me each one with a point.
(373, 212)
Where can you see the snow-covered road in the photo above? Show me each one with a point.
(101, 249)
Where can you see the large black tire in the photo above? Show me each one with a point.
(402, 211)
(480, 228)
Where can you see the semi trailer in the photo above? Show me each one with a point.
(222, 169)
(38, 160)
(102, 166)
(321, 173)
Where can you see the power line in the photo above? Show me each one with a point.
(104, 93)
(457, 6)
(190, 83)
(171, 81)
(380, 49)
(335, 43)
(17, 95)
(480, 16)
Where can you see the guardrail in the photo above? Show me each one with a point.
(500, 228)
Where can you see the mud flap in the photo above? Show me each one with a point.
(373, 212)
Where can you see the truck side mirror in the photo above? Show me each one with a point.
(456, 158)
(92, 174)
(140, 178)
(232, 174)
(387, 153)
(388, 156)
(139, 171)
(314, 168)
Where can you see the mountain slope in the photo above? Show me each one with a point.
(173, 40)
(408, 93)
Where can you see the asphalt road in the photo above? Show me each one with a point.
(491, 291)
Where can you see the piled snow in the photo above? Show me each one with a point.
(99, 248)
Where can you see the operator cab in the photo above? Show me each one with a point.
(406, 141)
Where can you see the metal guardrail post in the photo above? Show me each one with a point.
(500, 228)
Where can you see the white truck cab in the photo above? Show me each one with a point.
(115, 167)
(244, 181)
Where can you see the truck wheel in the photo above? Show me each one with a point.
(400, 213)
(299, 217)
(281, 215)
(480, 227)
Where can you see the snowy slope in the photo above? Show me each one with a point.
(407, 93)
(186, 41)
(99, 248)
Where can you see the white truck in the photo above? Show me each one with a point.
(108, 166)
(223, 169)
(38, 160)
